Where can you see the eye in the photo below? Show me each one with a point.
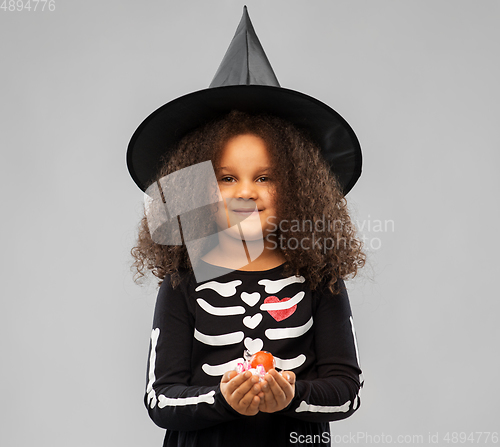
(226, 179)
(266, 179)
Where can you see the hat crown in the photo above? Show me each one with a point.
(245, 62)
(247, 83)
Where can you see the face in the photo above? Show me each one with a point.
(246, 184)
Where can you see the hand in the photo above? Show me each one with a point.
(277, 392)
(241, 391)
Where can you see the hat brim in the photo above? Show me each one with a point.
(160, 132)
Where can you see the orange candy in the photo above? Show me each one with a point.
(263, 358)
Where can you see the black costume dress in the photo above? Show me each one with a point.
(200, 330)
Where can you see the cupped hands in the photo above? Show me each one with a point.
(245, 394)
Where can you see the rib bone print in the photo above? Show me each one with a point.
(274, 286)
(222, 318)
(278, 309)
(223, 289)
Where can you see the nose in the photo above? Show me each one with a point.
(246, 190)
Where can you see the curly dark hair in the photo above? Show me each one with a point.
(308, 194)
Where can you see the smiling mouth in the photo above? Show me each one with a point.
(246, 210)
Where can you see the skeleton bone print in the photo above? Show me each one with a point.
(270, 305)
(201, 330)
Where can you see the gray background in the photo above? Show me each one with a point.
(417, 80)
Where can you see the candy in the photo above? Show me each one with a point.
(263, 358)
(258, 364)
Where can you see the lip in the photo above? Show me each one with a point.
(245, 210)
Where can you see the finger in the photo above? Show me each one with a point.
(237, 380)
(276, 387)
(283, 379)
(249, 386)
(249, 398)
(268, 394)
(263, 404)
(290, 376)
(254, 405)
(264, 386)
(268, 402)
(289, 390)
(228, 375)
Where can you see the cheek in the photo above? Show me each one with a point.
(271, 198)
(220, 215)
(221, 191)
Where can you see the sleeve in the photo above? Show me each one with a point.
(334, 395)
(172, 402)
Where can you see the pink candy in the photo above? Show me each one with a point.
(245, 366)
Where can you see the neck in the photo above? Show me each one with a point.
(233, 254)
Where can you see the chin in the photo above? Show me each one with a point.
(250, 233)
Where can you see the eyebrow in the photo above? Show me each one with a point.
(260, 168)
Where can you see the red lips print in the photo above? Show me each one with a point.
(283, 314)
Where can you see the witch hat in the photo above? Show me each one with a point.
(245, 81)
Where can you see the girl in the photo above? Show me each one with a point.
(200, 330)
(278, 197)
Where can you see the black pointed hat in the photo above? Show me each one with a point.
(245, 81)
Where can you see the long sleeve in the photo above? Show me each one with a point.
(172, 402)
(334, 394)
